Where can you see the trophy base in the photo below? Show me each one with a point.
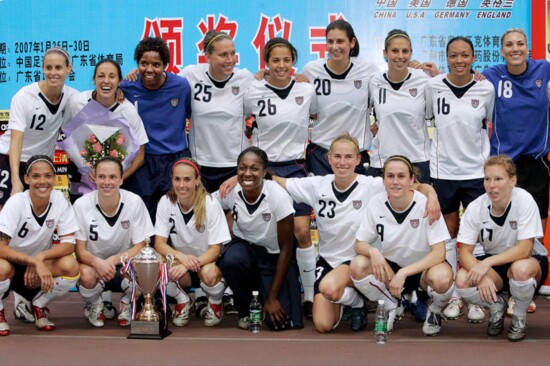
(140, 329)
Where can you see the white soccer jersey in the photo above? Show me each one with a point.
(31, 234)
(460, 143)
(520, 221)
(106, 236)
(343, 101)
(338, 214)
(124, 109)
(216, 136)
(405, 237)
(401, 117)
(40, 121)
(256, 222)
(179, 226)
(282, 118)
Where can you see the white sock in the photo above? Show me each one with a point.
(306, 264)
(351, 298)
(471, 296)
(4, 287)
(199, 293)
(126, 287)
(440, 300)
(91, 295)
(228, 291)
(215, 293)
(375, 290)
(61, 286)
(174, 290)
(18, 298)
(451, 255)
(523, 292)
(107, 296)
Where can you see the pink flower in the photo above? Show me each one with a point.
(113, 153)
(92, 139)
(120, 140)
(82, 152)
(97, 147)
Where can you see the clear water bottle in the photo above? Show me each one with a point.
(255, 313)
(381, 324)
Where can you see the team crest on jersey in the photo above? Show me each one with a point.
(413, 92)
(475, 103)
(414, 223)
(174, 102)
(358, 84)
(299, 100)
(538, 83)
(513, 224)
(357, 204)
(125, 224)
(235, 90)
(50, 223)
(266, 216)
(202, 228)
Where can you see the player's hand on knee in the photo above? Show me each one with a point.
(177, 271)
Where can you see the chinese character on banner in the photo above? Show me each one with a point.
(171, 30)
(223, 25)
(269, 28)
(318, 45)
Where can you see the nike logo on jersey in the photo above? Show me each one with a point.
(484, 222)
(94, 220)
(382, 216)
(323, 195)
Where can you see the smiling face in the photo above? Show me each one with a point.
(460, 57)
(222, 60)
(41, 180)
(397, 179)
(339, 45)
(108, 179)
(55, 69)
(106, 80)
(499, 185)
(280, 66)
(151, 68)
(514, 50)
(185, 183)
(250, 173)
(398, 52)
(343, 157)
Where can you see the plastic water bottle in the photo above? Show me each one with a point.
(381, 324)
(255, 313)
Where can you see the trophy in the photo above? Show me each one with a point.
(146, 269)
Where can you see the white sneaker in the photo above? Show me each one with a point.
(23, 313)
(94, 314)
(392, 315)
(475, 313)
(432, 325)
(213, 315)
(124, 314)
(181, 315)
(512, 303)
(453, 309)
(4, 327)
(244, 323)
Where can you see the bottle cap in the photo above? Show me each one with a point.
(380, 302)
(255, 293)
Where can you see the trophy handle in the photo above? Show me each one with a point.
(124, 258)
(170, 259)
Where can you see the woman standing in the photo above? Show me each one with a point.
(505, 221)
(194, 224)
(113, 222)
(36, 115)
(411, 254)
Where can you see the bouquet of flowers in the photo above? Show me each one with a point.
(94, 149)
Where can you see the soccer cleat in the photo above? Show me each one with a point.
(229, 305)
(432, 325)
(109, 310)
(307, 307)
(496, 318)
(124, 314)
(512, 303)
(42, 322)
(453, 309)
(518, 328)
(23, 313)
(419, 310)
(392, 316)
(199, 306)
(213, 315)
(94, 314)
(180, 318)
(475, 313)
(403, 306)
(358, 319)
(4, 326)
(244, 323)
(346, 313)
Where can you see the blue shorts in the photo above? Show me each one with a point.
(451, 193)
(502, 271)
(322, 268)
(533, 176)
(317, 161)
(213, 177)
(423, 169)
(292, 169)
(5, 178)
